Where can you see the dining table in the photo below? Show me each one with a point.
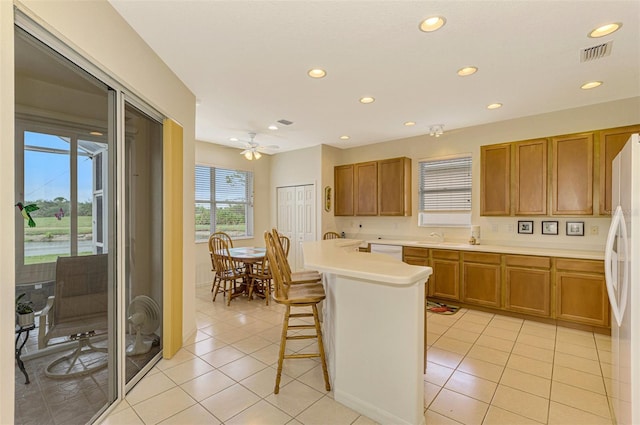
(250, 256)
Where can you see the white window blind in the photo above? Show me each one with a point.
(445, 192)
(224, 202)
(445, 184)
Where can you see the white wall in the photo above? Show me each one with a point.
(601, 116)
(221, 156)
(96, 31)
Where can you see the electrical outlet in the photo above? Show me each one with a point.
(494, 228)
(510, 228)
(594, 230)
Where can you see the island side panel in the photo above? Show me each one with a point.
(376, 337)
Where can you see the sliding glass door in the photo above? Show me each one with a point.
(88, 219)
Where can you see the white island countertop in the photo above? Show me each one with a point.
(499, 249)
(341, 256)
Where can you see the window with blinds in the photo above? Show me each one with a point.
(223, 202)
(445, 191)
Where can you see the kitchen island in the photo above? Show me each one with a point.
(374, 327)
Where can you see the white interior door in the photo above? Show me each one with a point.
(297, 219)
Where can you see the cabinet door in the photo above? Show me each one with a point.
(527, 291)
(611, 143)
(366, 188)
(531, 177)
(481, 278)
(572, 175)
(343, 196)
(415, 256)
(495, 175)
(445, 281)
(394, 187)
(582, 298)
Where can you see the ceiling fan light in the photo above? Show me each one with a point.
(248, 155)
(257, 155)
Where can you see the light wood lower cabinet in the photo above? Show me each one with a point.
(581, 294)
(566, 289)
(481, 278)
(445, 280)
(528, 284)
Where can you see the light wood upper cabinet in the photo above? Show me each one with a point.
(530, 177)
(495, 179)
(611, 143)
(365, 179)
(373, 188)
(394, 187)
(344, 189)
(572, 175)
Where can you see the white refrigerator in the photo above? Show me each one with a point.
(622, 274)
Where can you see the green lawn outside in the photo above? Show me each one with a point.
(47, 227)
(51, 258)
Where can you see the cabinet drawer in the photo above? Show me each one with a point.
(416, 261)
(414, 251)
(527, 261)
(445, 254)
(587, 266)
(481, 257)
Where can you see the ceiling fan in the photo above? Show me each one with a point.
(253, 149)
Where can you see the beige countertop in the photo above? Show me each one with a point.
(501, 249)
(341, 256)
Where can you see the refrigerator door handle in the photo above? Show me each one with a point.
(618, 308)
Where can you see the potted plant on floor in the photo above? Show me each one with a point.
(24, 312)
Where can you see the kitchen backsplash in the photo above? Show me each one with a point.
(493, 231)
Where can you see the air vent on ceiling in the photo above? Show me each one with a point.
(596, 52)
(285, 122)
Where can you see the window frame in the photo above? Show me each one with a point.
(212, 202)
(43, 272)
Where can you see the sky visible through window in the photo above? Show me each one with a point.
(47, 175)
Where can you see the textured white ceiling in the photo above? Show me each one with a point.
(246, 63)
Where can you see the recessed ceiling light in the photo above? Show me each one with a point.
(273, 127)
(591, 85)
(95, 133)
(344, 137)
(233, 139)
(605, 30)
(409, 123)
(317, 73)
(432, 23)
(494, 106)
(467, 70)
(366, 100)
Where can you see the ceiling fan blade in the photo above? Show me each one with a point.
(245, 151)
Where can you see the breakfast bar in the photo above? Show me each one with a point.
(373, 325)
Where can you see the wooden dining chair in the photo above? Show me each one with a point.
(215, 285)
(331, 235)
(296, 294)
(228, 270)
(260, 279)
(282, 246)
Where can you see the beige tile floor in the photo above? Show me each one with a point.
(482, 369)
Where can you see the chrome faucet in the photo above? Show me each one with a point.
(439, 235)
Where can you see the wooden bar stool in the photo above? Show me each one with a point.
(298, 294)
